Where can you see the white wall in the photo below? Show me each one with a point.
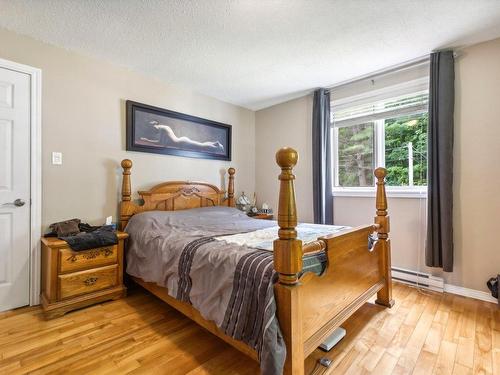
(477, 141)
(84, 118)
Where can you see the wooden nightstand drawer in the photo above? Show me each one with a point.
(75, 279)
(70, 261)
(83, 282)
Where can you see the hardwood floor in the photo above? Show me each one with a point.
(424, 333)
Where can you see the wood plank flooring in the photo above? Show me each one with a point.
(425, 333)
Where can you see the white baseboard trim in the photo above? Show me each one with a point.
(437, 284)
(471, 293)
(417, 279)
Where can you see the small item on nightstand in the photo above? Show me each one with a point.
(265, 212)
(243, 203)
(266, 209)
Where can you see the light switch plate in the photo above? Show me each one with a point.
(57, 158)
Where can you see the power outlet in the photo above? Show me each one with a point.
(57, 158)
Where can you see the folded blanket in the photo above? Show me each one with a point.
(263, 238)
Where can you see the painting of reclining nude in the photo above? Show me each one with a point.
(161, 131)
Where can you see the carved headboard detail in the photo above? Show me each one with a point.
(172, 195)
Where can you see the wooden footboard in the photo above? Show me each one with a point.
(311, 307)
(352, 277)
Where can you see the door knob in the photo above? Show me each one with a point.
(19, 202)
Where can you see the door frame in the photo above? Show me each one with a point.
(35, 173)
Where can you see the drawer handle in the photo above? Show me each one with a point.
(89, 281)
(108, 252)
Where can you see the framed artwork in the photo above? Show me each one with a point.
(160, 131)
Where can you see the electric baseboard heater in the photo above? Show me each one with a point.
(333, 339)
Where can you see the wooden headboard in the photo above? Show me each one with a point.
(172, 195)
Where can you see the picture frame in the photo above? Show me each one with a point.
(161, 131)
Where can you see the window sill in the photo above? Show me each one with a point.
(371, 193)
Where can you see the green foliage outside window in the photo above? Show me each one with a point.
(356, 155)
(356, 152)
(398, 133)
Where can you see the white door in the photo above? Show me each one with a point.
(14, 189)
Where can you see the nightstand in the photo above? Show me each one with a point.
(75, 279)
(263, 216)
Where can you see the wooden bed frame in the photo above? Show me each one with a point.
(309, 307)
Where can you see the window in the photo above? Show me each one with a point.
(384, 128)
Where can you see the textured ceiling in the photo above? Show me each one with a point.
(249, 52)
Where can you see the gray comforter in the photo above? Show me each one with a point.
(229, 284)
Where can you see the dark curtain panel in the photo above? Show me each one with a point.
(439, 245)
(322, 158)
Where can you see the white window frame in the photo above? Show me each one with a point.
(373, 96)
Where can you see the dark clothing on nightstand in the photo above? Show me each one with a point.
(102, 236)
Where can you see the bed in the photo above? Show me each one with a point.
(192, 249)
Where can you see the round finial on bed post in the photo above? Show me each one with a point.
(230, 188)
(126, 164)
(126, 186)
(380, 173)
(287, 249)
(287, 157)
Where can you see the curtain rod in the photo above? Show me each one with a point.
(405, 65)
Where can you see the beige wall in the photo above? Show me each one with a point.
(84, 118)
(477, 162)
(477, 141)
(284, 125)
(408, 216)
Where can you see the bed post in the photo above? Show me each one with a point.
(384, 296)
(126, 206)
(288, 264)
(230, 187)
